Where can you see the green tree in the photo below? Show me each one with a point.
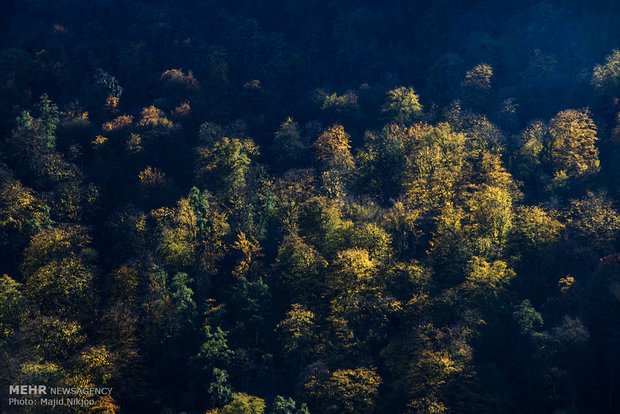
(214, 350)
(33, 141)
(288, 149)
(47, 121)
(382, 161)
(220, 392)
(44, 125)
(300, 269)
(452, 245)
(527, 318)
(321, 224)
(402, 106)
(211, 227)
(606, 77)
(242, 404)
(11, 306)
(283, 405)
(441, 370)
(183, 299)
(224, 167)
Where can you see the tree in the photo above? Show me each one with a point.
(211, 228)
(606, 77)
(288, 148)
(249, 251)
(345, 391)
(22, 215)
(565, 348)
(486, 281)
(299, 267)
(402, 106)
(333, 149)
(108, 84)
(183, 299)
(94, 366)
(594, 223)
(403, 227)
(441, 370)
(283, 405)
(571, 145)
(242, 404)
(529, 156)
(11, 306)
(154, 118)
(177, 241)
(491, 215)
(220, 392)
(334, 103)
(373, 239)
(527, 318)
(453, 244)
(436, 166)
(120, 335)
(476, 87)
(382, 162)
(214, 350)
(59, 269)
(178, 84)
(224, 167)
(298, 331)
(34, 138)
(321, 224)
(53, 339)
(44, 125)
(534, 238)
(352, 269)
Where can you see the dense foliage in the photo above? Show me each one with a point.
(294, 207)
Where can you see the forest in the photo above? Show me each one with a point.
(326, 207)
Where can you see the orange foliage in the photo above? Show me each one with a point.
(333, 148)
(566, 283)
(99, 141)
(111, 104)
(176, 76)
(154, 117)
(151, 177)
(182, 110)
(118, 123)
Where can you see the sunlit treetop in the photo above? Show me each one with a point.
(402, 105)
